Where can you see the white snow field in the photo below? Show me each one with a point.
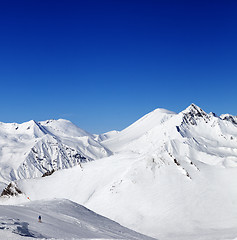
(171, 176)
(61, 219)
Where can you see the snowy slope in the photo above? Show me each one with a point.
(30, 149)
(61, 219)
(148, 196)
(104, 136)
(121, 140)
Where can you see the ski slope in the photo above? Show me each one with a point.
(61, 219)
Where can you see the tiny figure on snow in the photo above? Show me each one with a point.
(39, 218)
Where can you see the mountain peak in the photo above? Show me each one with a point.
(64, 127)
(194, 109)
(192, 113)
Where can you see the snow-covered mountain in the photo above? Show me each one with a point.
(32, 148)
(192, 137)
(171, 176)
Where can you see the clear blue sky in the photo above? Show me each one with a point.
(104, 64)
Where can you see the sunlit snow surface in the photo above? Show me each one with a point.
(61, 219)
(171, 176)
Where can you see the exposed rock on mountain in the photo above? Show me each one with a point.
(194, 113)
(11, 190)
(33, 148)
(230, 118)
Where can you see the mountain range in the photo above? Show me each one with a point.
(169, 175)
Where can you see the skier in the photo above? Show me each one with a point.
(39, 218)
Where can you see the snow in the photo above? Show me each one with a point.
(30, 149)
(104, 136)
(137, 130)
(171, 175)
(228, 117)
(148, 197)
(64, 127)
(61, 219)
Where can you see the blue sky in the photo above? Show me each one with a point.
(104, 64)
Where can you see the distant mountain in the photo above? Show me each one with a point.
(32, 148)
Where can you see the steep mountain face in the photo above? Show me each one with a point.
(30, 149)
